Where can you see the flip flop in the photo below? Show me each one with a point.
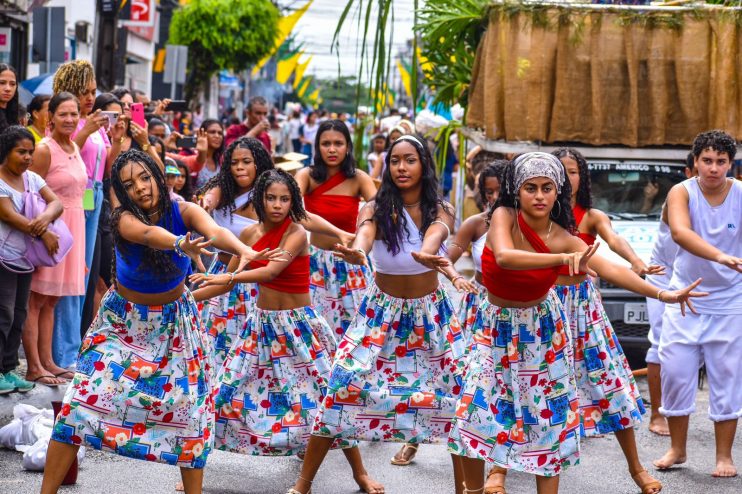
(47, 376)
(63, 373)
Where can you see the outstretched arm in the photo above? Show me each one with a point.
(364, 240)
(619, 245)
(464, 237)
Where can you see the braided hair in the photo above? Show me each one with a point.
(224, 179)
(509, 198)
(278, 176)
(9, 115)
(389, 204)
(584, 193)
(73, 77)
(318, 171)
(157, 261)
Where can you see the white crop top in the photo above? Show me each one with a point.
(234, 222)
(402, 263)
(477, 247)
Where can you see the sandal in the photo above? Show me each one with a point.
(404, 462)
(46, 376)
(648, 487)
(64, 373)
(498, 488)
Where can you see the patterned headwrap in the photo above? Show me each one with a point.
(530, 165)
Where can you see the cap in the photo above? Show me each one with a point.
(172, 170)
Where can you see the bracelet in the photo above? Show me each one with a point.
(122, 140)
(453, 280)
(659, 294)
(454, 244)
(284, 251)
(363, 252)
(231, 277)
(177, 248)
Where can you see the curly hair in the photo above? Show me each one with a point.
(717, 140)
(389, 204)
(584, 192)
(495, 169)
(278, 176)
(509, 198)
(224, 179)
(157, 261)
(73, 77)
(10, 139)
(318, 171)
(9, 116)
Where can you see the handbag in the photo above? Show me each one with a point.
(36, 252)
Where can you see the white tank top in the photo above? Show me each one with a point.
(401, 263)
(664, 252)
(234, 222)
(720, 226)
(477, 247)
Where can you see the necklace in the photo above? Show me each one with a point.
(548, 232)
(411, 205)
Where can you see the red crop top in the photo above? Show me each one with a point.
(579, 213)
(341, 211)
(295, 277)
(520, 285)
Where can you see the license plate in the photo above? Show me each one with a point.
(635, 314)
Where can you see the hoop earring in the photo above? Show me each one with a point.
(560, 209)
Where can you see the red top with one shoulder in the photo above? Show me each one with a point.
(579, 213)
(295, 277)
(341, 211)
(520, 285)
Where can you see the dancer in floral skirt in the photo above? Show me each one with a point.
(332, 188)
(472, 231)
(228, 195)
(394, 376)
(519, 406)
(276, 372)
(141, 386)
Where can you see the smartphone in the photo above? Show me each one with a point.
(112, 117)
(137, 114)
(177, 105)
(186, 142)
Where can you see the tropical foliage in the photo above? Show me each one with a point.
(223, 34)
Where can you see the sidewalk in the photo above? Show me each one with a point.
(40, 397)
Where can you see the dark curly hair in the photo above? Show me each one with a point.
(278, 176)
(157, 261)
(508, 198)
(318, 171)
(9, 115)
(495, 169)
(224, 179)
(10, 139)
(389, 204)
(718, 140)
(584, 193)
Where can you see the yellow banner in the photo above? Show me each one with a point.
(299, 73)
(286, 67)
(285, 25)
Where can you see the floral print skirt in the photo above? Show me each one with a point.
(518, 408)
(337, 288)
(224, 316)
(397, 371)
(141, 386)
(608, 395)
(272, 382)
(468, 309)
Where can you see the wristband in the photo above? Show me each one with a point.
(177, 248)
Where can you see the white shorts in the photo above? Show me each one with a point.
(717, 341)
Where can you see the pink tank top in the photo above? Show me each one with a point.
(67, 176)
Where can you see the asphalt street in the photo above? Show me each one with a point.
(602, 467)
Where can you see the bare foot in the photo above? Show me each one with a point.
(369, 485)
(495, 483)
(405, 455)
(725, 468)
(670, 459)
(644, 481)
(658, 425)
(180, 487)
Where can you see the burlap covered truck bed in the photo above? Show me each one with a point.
(607, 76)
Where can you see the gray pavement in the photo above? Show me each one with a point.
(602, 468)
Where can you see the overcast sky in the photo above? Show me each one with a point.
(318, 24)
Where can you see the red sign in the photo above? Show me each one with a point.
(141, 13)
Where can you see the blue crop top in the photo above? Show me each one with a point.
(129, 274)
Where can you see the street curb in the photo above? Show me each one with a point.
(40, 397)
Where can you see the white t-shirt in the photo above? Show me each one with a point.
(310, 132)
(294, 126)
(15, 241)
